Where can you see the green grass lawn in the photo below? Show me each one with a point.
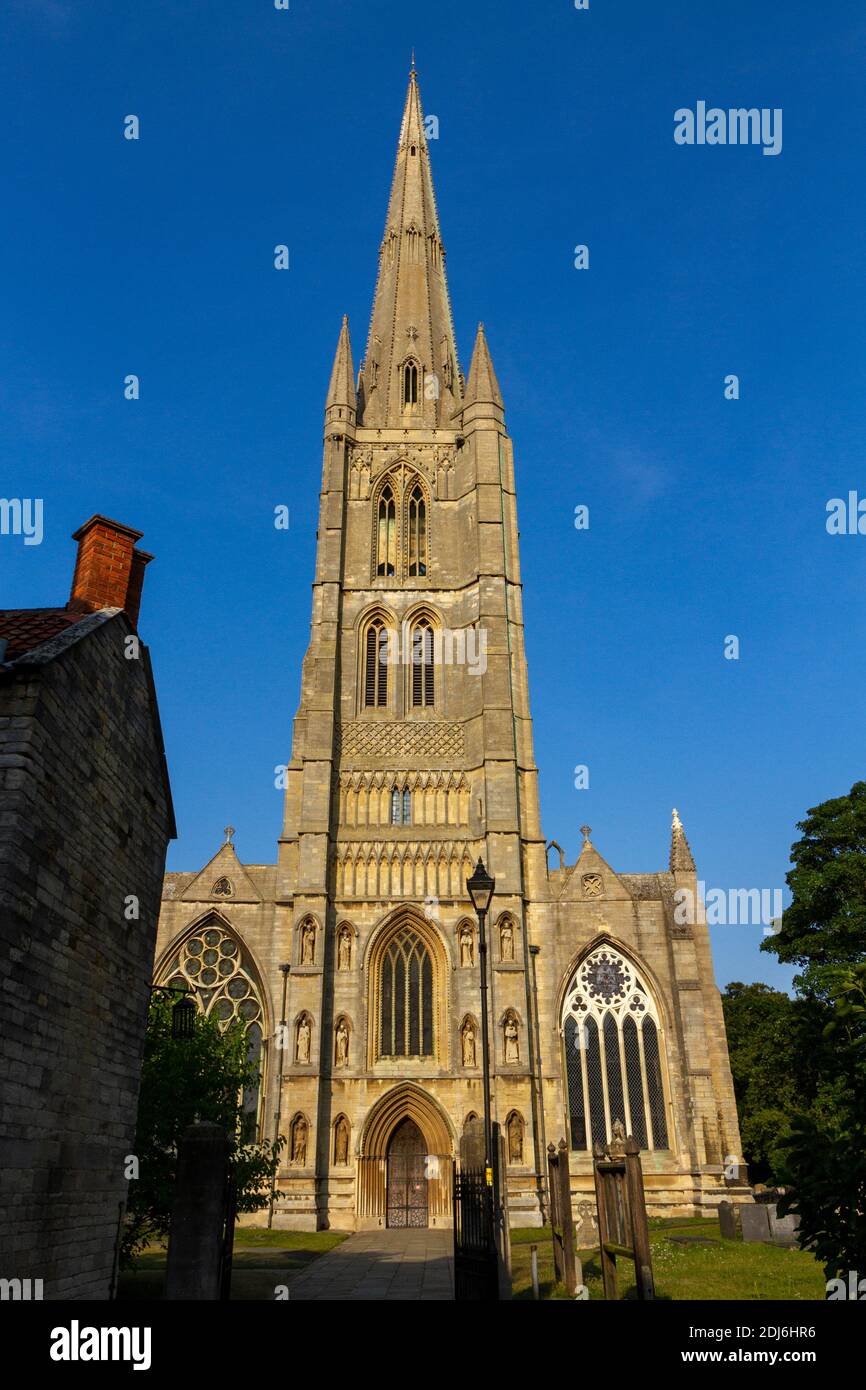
(262, 1259)
(726, 1269)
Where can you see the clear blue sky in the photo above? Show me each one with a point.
(556, 128)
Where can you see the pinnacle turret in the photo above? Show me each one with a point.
(681, 860)
(482, 388)
(341, 403)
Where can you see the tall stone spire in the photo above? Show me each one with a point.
(681, 856)
(341, 401)
(411, 321)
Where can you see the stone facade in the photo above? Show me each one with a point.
(409, 761)
(86, 817)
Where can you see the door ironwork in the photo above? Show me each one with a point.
(407, 1177)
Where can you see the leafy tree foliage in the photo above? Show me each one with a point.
(761, 1025)
(825, 1161)
(825, 924)
(822, 1158)
(184, 1080)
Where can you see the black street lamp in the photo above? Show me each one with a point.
(481, 887)
(184, 1011)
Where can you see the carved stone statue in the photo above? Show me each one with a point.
(344, 951)
(467, 951)
(308, 944)
(616, 1147)
(342, 1044)
(512, 1039)
(515, 1138)
(299, 1142)
(469, 1044)
(304, 1035)
(341, 1142)
(506, 941)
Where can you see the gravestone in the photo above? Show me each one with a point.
(586, 1230)
(755, 1222)
(730, 1227)
(783, 1229)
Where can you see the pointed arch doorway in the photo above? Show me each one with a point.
(405, 1162)
(406, 1182)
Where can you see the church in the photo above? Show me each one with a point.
(352, 962)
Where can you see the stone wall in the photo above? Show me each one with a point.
(85, 821)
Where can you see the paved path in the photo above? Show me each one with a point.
(382, 1265)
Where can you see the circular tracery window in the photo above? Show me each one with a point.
(213, 963)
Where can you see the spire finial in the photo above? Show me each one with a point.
(412, 68)
(681, 855)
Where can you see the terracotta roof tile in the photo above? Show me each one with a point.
(27, 628)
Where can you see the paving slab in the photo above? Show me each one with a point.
(377, 1265)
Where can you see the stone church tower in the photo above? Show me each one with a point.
(412, 756)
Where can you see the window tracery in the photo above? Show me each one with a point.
(612, 1056)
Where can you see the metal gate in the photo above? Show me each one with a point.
(475, 1261)
(407, 1177)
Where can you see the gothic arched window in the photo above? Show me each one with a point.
(406, 998)
(422, 664)
(612, 1058)
(410, 384)
(224, 983)
(416, 529)
(376, 664)
(386, 533)
(401, 806)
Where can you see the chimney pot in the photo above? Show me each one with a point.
(109, 571)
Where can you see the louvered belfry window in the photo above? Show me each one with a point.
(376, 666)
(416, 525)
(386, 534)
(612, 1059)
(422, 665)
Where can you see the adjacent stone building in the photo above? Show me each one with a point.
(412, 756)
(85, 819)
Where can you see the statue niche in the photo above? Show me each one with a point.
(514, 1129)
(467, 944)
(506, 940)
(344, 949)
(299, 1142)
(467, 1037)
(303, 1040)
(511, 1038)
(341, 1142)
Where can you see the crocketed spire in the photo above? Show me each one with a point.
(681, 855)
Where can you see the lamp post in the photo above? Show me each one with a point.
(481, 887)
(184, 1011)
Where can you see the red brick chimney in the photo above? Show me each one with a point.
(109, 571)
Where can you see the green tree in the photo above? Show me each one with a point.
(823, 1158)
(825, 1154)
(825, 925)
(762, 1029)
(202, 1077)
